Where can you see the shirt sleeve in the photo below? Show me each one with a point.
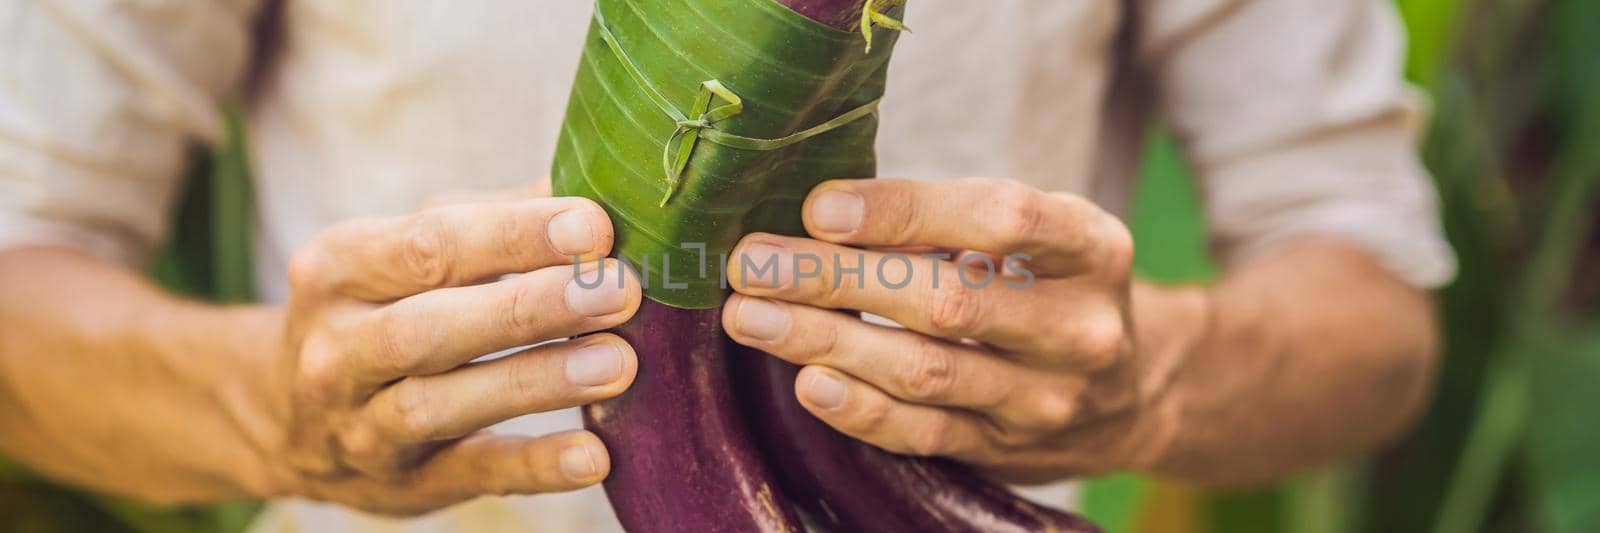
(1296, 118)
(99, 100)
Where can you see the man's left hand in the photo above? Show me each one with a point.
(1017, 354)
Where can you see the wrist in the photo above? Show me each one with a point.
(228, 354)
(253, 395)
(1172, 325)
(126, 403)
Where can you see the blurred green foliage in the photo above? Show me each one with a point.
(1508, 443)
(1514, 150)
(208, 254)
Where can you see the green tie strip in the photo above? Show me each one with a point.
(872, 13)
(691, 131)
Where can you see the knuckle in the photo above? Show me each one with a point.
(517, 238)
(898, 215)
(525, 379)
(933, 439)
(402, 342)
(498, 483)
(824, 289)
(317, 376)
(1018, 214)
(820, 343)
(1117, 249)
(870, 415)
(492, 474)
(932, 374)
(423, 249)
(1053, 410)
(413, 415)
(953, 309)
(309, 268)
(1009, 437)
(520, 312)
(1101, 341)
(360, 443)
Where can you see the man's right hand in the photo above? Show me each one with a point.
(376, 402)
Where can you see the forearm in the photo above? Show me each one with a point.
(112, 384)
(1295, 359)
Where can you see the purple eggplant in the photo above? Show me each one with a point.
(842, 14)
(846, 485)
(681, 458)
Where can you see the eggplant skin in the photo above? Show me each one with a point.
(843, 484)
(842, 14)
(682, 459)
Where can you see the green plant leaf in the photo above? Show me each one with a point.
(620, 125)
(1168, 225)
(1113, 502)
(1561, 440)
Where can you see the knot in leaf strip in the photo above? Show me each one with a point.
(680, 146)
(872, 14)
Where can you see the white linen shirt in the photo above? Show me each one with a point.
(1292, 113)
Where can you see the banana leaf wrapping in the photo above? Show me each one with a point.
(792, 76)
(693, 123)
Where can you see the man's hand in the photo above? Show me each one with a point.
(376, 402)
(1031, 374)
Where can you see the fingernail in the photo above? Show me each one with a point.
(601, 300)
(594, 365)
(569, 233)
(825, 391)
(577, 462)
(837, 211)
(763, 265)
(762, 319)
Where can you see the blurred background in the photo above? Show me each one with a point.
(1511, 441)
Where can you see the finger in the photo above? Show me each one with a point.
(1065, 323)
(383, 259)
(503, 465)
(480, 464)
(909, 366)
(539, 188)
(862, 411)
(1059, 234)
(425, 409)
(442, 329)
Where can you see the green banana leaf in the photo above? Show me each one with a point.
(695, 122)
(1563, 472)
